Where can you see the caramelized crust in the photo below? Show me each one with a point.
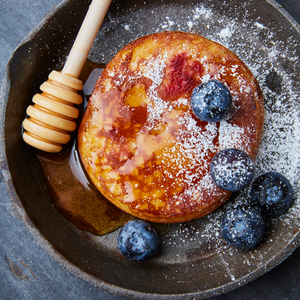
(139, 141)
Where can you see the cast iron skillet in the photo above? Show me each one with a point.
(193, 261)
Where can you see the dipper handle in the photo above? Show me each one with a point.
(52, 117)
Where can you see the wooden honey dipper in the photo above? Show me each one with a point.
(52, 117)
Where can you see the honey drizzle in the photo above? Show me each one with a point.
(75, 197)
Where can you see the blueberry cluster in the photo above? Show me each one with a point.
(233, 170)
(271, 195)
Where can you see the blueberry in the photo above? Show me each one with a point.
(138, 241)
(273, 193)
(232, 169)
(243, 227)
(211, 101)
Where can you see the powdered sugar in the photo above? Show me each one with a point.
(225, 33)
(265, 47)
(154, 70)
(232, 136)
(194, 143)
(261, 56)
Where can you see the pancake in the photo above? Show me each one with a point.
(139, 140)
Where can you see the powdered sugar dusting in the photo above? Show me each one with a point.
(225, 33)
(266, 48)
(232, 136)
(154, 70)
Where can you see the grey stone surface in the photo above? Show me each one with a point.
(26, 271)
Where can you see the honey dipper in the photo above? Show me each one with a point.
(52, 117)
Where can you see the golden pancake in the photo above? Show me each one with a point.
(139, 140)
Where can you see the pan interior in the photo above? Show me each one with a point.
(193, 258)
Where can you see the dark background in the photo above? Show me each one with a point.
(27, 272)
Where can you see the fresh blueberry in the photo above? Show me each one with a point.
(211, 101)
(232, 169)
(273, 193)
(243, 227)
(138, 241)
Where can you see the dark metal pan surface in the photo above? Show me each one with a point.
(193, 260)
